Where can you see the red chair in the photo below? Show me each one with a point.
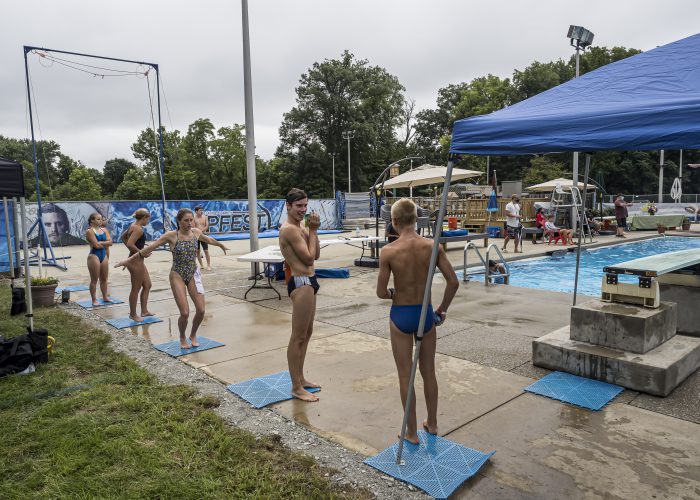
(554, 236)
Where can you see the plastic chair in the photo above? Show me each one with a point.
(554, 236)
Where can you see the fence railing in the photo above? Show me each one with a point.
(666, 198)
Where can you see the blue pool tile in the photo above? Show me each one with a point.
(579, 391)
(266, 390)
(436, 465)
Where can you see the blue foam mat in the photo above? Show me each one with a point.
(436, 465)
(341, 272)
(73, 288)
(579, 391)
(266, 390)
(126, 322)
(87, 303)
(173, 348)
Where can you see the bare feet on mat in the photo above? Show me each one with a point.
(183, 343)
(136, 318)
(147, 313)
(410, 439)
(430, 429)
(304, 395)
(96, 303)
(307, 384)
(193, 339)
(107, 300)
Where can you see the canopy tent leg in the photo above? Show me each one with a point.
(582, 221)
(9, 240)
(424, 307)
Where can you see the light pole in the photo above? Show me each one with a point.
(333, 155)
(580, 38)
(349, 135)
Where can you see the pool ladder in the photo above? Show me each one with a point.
(484, 262)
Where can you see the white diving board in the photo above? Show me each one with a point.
(666, 267)
(657, 265)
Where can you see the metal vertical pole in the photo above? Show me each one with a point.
(349, 136)
(40, 224)
(680, 177)
(583, 214)
(488, 166)
(575, 161)
(9, 239)
(27, 277)
(161, 161)
(661, 177)
(333, 175)
(15, 219)
(410, 188)
(424, 307)
(249, 138)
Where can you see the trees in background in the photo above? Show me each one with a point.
(336, 96)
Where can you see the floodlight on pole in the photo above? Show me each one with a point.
(349, 134)
(580, 38)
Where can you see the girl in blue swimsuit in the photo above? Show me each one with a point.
(184, 274)
(98, 261)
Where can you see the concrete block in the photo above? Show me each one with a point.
(688, 300)
(623, 326)
(656, 372)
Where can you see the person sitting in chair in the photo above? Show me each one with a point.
(592, 223)
(564, 234)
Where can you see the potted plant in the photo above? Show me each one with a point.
(661, 228)
(686, 224)
(43, 291)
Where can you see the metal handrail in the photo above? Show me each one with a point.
(469, 245)
(502, 259)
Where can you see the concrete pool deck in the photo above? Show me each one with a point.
(639, 446)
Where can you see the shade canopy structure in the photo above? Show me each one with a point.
(648, 101)
(549, 186)
(428, 174)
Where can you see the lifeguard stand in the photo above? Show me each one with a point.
(566, 206)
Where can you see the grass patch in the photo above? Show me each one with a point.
(92, 423)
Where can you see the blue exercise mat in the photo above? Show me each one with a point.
(87, 304)
(270, 233)
(455, 232)
(73, 288)
(173, 348)
(579, 391)
(436, 465)
(266, 390)
(127, 321)
(342, 272)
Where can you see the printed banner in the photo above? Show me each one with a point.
(67, 221)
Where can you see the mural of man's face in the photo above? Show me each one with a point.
(55, 227)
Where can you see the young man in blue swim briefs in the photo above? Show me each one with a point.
(408, 260)
(300, 249)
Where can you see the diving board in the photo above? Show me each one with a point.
(673, 268)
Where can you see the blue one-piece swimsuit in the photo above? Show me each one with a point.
(101, 253)
(406, 318)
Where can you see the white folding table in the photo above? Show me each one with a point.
(266, 256)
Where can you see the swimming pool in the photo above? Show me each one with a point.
(557, 273)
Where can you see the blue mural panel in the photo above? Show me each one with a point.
(66, 222)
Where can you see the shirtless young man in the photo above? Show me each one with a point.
(408, 259)
(300, 249)
(201, 222)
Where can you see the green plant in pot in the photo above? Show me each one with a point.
(43, 291)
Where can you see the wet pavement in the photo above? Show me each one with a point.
(639, 446)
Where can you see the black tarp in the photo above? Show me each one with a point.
(11, 179)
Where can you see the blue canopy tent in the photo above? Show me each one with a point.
(648, 101)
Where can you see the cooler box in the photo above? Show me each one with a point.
(494, 231)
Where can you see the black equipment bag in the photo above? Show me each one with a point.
(39, 339)
(19, 302)
(15, 354)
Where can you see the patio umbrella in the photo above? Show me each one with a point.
(549, 186)
(428, 174)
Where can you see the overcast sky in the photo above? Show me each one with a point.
(427, 44)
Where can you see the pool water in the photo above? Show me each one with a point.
(557, 273)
